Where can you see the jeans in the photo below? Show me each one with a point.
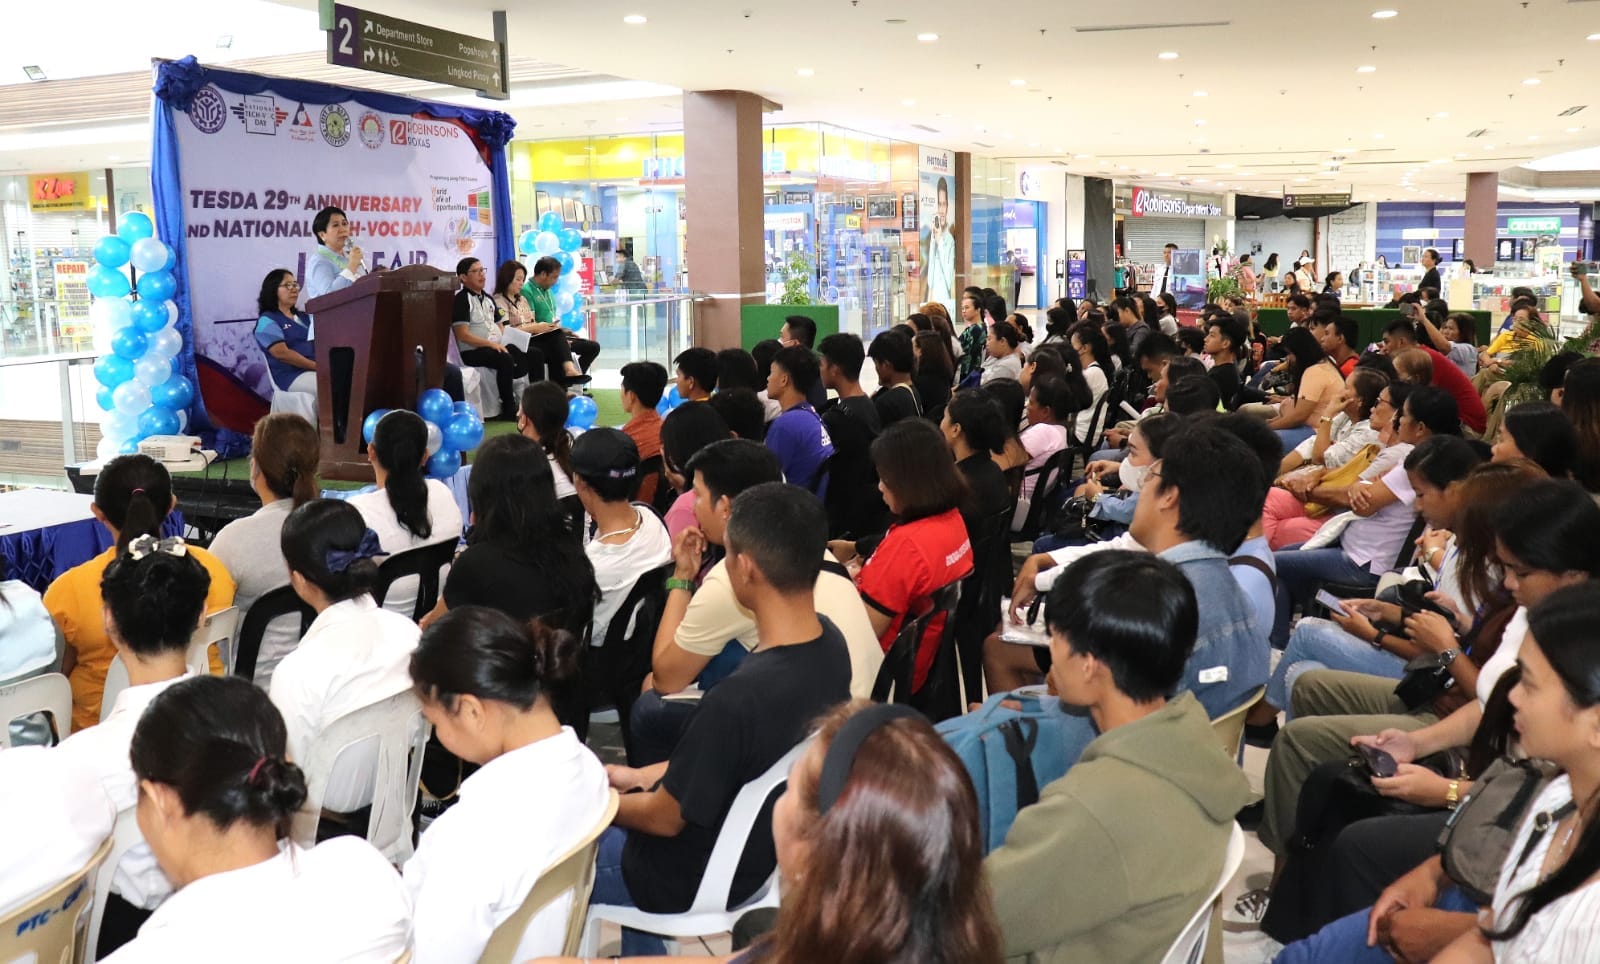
(1321, 644)
(610, 888)
(1294, 436)
(1300, 571)
(654, 726)
(1345, 940)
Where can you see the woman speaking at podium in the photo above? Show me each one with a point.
(336, 263)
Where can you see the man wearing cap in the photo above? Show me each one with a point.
(624, 541)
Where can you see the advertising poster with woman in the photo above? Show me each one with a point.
(936, 206)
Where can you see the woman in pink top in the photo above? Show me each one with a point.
(686, 430)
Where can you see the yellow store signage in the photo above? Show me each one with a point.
(59, 192)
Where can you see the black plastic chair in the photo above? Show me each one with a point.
(424, 562)
(616, 670)
(939, 698)
(1048, 479)
(981, 595)
(282, 601)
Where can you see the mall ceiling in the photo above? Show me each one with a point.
(1305, 94)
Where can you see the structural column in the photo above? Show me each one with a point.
(964, 225)
(1099, 236)
(1483, 205)
(723, 208)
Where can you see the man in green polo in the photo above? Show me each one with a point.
(558, 344)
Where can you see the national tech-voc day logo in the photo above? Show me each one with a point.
(335, 125)
(208, 111)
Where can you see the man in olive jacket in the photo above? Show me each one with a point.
(1141, 823)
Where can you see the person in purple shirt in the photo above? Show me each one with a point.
(797, 436)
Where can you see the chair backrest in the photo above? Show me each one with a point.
(125, 836)
(116, 682)
(54, 926)
(424, 562)
(1229, 727)
(653, 470)
(716, 886)
(1048, 479)
(216, 629)
(898, 671)
(50, 693)
(572, 872)
(623, 660)
(282, 601)
(1191, 941)
(397, 724)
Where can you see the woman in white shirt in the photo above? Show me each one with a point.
(55, 814)
(1095, 355)
(154, 595)
(408, 510)
(543, 418)
(216, 796)
(354, 654)
(1546, 905)
(284, 452)
(484, 678)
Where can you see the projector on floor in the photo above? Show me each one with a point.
(170, 448)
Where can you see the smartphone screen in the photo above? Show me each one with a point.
(1331, 601)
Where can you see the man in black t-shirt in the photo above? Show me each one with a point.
(854, 505)
(656, 852)
(893, 357)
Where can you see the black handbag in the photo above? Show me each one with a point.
(1427, 678)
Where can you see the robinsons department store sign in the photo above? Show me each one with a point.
(1145, 202)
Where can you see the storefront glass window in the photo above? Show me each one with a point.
(991, 186)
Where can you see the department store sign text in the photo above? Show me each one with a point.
(1146, 202)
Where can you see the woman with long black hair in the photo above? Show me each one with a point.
(1315, 388)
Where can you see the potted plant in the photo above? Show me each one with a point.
(1523, 367)
(1219, 288)
(797, 277)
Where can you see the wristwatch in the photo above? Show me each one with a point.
(1448, 656)
(675, 583)
(1452, 794)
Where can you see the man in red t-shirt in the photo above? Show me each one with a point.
(1402, 334)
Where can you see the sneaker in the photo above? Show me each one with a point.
(1247, 911)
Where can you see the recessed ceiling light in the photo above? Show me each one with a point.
(909, 102)
(1532, 82)
(621, 120)
(1377, 135)
(1593, 36)
(927, 38)
(1200, 93)
(1488, 147)
(1167, 55)
(1440, 160)
(1301, 180)
(1442, 114)
(1033, 144)
(1573, 130)
(1384, 14)
(1366, 69)
(805, 72)
(34, 73)
(1533, 137)
(1019, 82)
(1246, 174)
(1201, 180)
(635, 19)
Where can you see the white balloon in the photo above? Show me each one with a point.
(570, 283)
(563, 302)
(107, 449)
(435, 438)
(151, 370)
(164, 344)
(149, 254)
(131, 397)
(119, 426)
(172, 312)
(546, 242)
(102, 338)
(183, 419)
(111, 314)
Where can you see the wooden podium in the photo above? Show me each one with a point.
(380, 343)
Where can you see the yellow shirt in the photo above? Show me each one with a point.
(74, 603)
(1508, 341)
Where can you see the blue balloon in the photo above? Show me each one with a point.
(550, 221)
(104, 282)
(468, 408)
(572, 321)
(158, 420)
(102, 397)
(149, 316)
(570, 239)
(581, 412)
(435, 406)
(111, 251)
(525, 241)
(444, 463)
(157, 286)
(673, 397)
(113, 370)
(568, 262)
(463, 432)
(371, 424)
(174, 393)
(129, 342)
(136, 225)
(130, 447)
(577, 302)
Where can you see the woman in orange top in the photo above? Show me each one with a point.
(132, 496)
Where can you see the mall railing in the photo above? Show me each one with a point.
(641, 325)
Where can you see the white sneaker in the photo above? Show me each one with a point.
(1247, 911)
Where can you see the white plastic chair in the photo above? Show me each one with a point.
(116, 682)
(216, 629)
(48, 693)
(1191, 941)
(303, 404)
(47, 927)
(401, 732)
(709, 914)
(125, 836)
(477, 384)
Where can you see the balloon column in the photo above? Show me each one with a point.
(142, 392)
(669, 401)
(554, 239)
(453, 428)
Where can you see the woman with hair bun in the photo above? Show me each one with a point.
(284, 451)
(153, 594)
(484, 681)
(216, 796)
(355, 652)
(132, 498)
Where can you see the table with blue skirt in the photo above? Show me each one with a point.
(45, 532)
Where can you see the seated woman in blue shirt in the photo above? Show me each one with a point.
(284, 334)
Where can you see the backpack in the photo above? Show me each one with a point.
(1012, 754)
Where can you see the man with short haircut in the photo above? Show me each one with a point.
(697, 373)
(1144, 816)
(798, 436)
(477, 322)
(893, 357)
(623, 541)
(1337, 336)
(855, 506)
(802, 331)
(556, 344)
(1298, 307)
(656, 852)
(1401, 334)
(1192, 394)
(1225, 343)
(642, 385)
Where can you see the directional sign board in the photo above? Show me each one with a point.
(389, 45)
(1292, 201)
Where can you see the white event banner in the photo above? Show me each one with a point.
(256, 169)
